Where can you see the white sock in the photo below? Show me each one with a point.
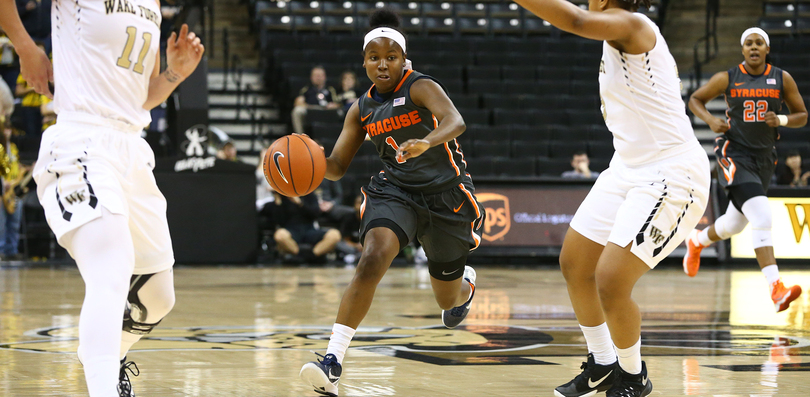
(339, 341)
(771, 273)
(703, 237)
(101, 374)
(630, 358)
(599, 343)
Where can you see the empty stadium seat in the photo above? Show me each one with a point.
(529, 149)
(514, 167)
(492, 148)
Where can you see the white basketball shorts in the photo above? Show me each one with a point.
(86, 163)
(652, 206)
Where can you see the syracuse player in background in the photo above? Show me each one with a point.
(94, 171)
(424, 191)
(746, 153)
(654, 192)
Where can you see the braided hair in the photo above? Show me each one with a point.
(633, 5)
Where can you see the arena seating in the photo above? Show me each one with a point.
(528, 92)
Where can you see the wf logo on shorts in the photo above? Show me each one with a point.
(656, 235)
(75, 197)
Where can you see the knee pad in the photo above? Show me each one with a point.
(758, 212)
(731, 223)
(447, 271)
(137, 312)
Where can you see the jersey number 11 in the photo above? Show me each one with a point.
(124, 60)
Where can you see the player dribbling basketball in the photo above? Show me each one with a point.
(423, 192)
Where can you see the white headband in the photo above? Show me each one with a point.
(758, 31)
(387, 33)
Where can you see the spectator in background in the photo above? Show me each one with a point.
(36, 17)
(9, 67)
(349, 90)
(317, 95)
(791, 173)
(11, 175)
(297, 234)
(6, 101)
(228, 152)
(350, 230)
(581, 164)
(330, 200)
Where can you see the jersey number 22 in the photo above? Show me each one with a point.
(754, 112)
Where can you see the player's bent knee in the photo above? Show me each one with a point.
(332, 235)
(371, 267)
(282, 235)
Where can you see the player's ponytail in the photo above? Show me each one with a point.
(633, 5)
(384, 17)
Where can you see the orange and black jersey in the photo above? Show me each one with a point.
(749, 98)
(391, 119)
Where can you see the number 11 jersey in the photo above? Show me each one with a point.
(103, 56)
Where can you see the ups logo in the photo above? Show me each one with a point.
(798, 227)
(498, 220)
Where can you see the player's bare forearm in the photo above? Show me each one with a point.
(161, 87)
(450, 128)
(797, 120)
(12, 25)
(570, 18)
(698, 108)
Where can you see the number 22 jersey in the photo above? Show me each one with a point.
(104, 52)
(749, 98)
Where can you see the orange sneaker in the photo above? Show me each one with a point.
(782, 296)
(691, 261)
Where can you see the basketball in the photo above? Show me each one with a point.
(294, 165)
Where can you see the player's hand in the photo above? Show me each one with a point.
(36, 68)
(183, 52)
(319, 145)
(412, 148)
(719, 126)
(771, 119)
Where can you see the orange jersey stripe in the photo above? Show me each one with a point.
(450, 155)
(475, 237)
(768, 70)
(405, 77)
(472, 200)
(363, 206)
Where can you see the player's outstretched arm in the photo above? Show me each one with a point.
(429, 94)
(716, 86)
(614, 25)
(795, 103)
(35, 66)
(347, 144)
(183, 54)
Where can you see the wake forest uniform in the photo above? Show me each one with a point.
(657, 186)
(104, 52)
(746, 153)
(429, 197)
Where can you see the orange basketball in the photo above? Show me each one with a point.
(294, 165)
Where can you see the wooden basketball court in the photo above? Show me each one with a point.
(247, 331)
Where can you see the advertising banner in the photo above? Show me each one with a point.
(791, 230)
(535, 216)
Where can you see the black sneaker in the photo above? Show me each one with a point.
(593, 378)
(124, 385)
(627, 385)
(323, 375)
(453, 317)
